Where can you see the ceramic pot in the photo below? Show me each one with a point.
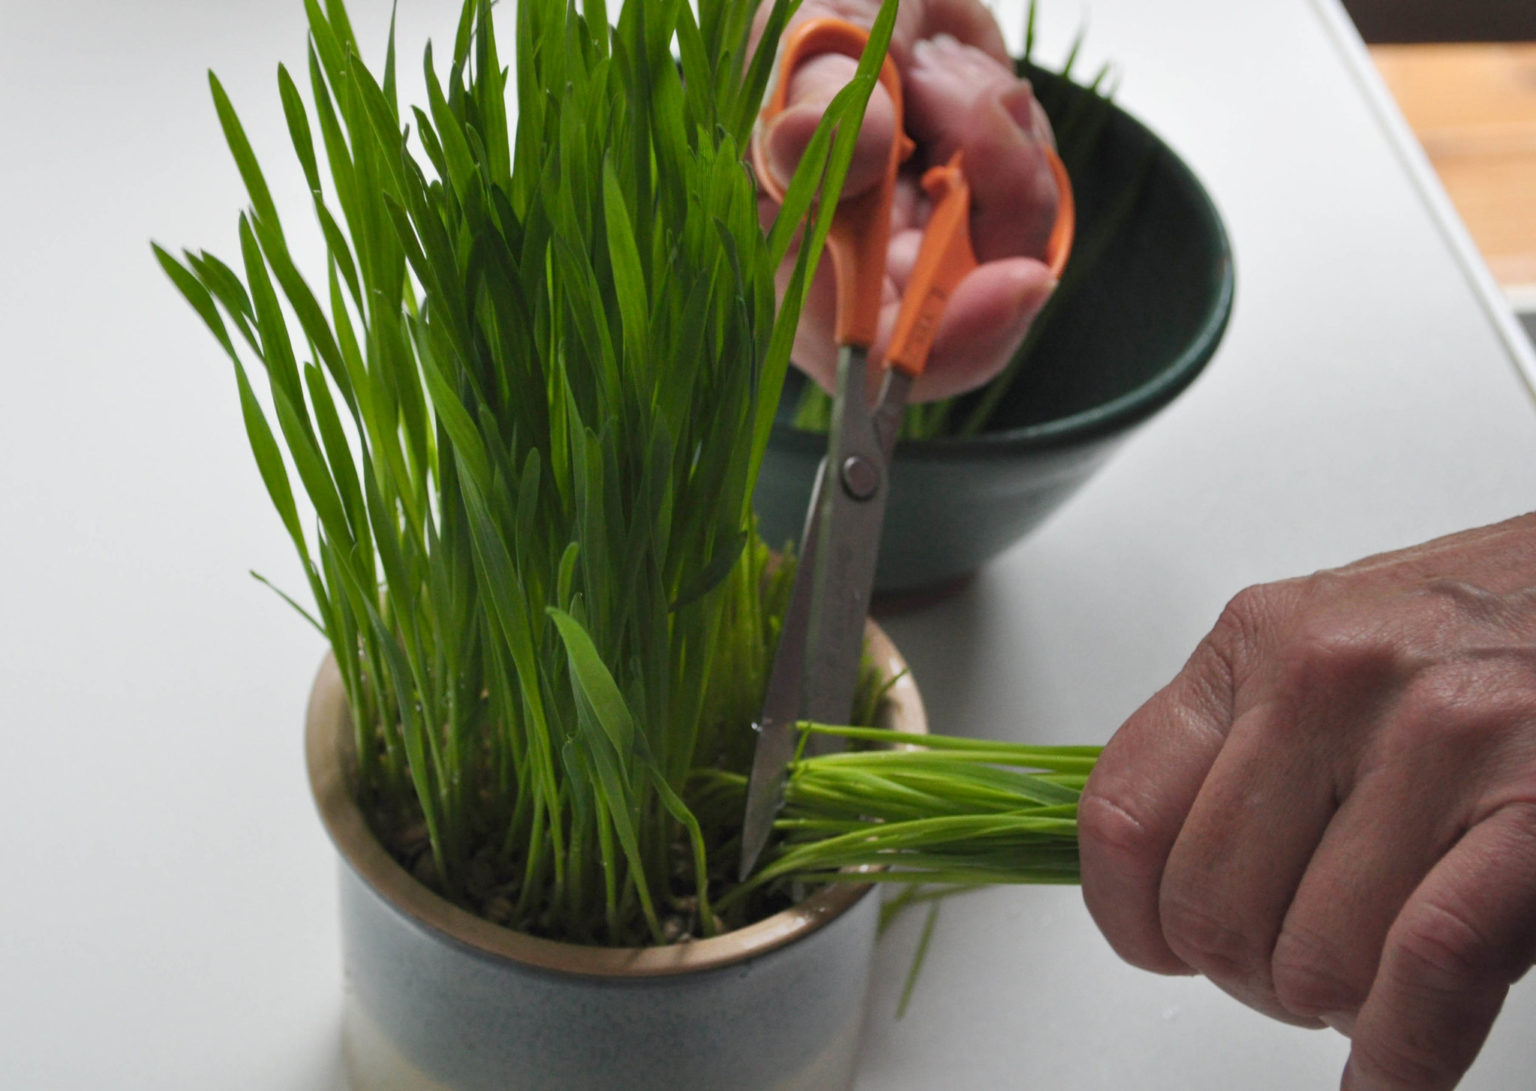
(438, 998)
(1147, 314)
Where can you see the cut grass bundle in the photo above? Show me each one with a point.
(931, 809)
(527, 410)
(934, 814)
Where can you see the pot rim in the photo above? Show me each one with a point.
(326, 738)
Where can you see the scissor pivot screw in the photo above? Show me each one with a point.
(860, 477)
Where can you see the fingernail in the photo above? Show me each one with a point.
(1341, 1021)
(932, 51)
(1019, 102)
(783, 151)
(1031, 288)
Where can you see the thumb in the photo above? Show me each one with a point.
(986, 319)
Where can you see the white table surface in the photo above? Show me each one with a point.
(168, 915)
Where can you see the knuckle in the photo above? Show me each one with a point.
(1245, 617)
(1121, 858)
(1432, 717)
(1110, 829)
(1236, 643)
(1319, 647)
(1440, 948)
(1210, 942)
(1334, 650)
(1402, 1063)
(1310, 975)
(1456, 710)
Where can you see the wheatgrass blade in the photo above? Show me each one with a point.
(943, 809)
(220, 280)
(240, 148)
(298, 127)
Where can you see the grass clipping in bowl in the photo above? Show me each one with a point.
(526, 407)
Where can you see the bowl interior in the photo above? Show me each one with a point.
(1157, 291)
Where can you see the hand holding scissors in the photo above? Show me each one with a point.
(960, 93)
(815, 669)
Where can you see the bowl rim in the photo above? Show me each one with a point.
(327, 741)
(1119, 413)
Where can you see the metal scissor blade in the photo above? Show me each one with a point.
(783, 697)
(816, 667)
(889, 410)
(815, 670)
(852, 509)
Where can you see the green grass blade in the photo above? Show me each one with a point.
(245, 158)
(298, 128)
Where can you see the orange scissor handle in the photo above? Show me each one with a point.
(946, 256)
(943, 260)
(1059, 245)
(861, 227)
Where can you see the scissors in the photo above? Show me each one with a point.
(816, 667)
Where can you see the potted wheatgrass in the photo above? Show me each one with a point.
(526, 407)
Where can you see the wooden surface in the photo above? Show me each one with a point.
(1473, 107)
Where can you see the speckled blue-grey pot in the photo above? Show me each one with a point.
(437, 998)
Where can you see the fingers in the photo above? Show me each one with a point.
(1251, 892)
(1014, 199)
(1249, 837)
(1328, 946)
(971, 40)
(961, 99)
(1133, 807)
(1464, 937)
(812, 87)
(969, 21)
(986, 319)
(1420, 779)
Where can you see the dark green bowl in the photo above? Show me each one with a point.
(1133, 326)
